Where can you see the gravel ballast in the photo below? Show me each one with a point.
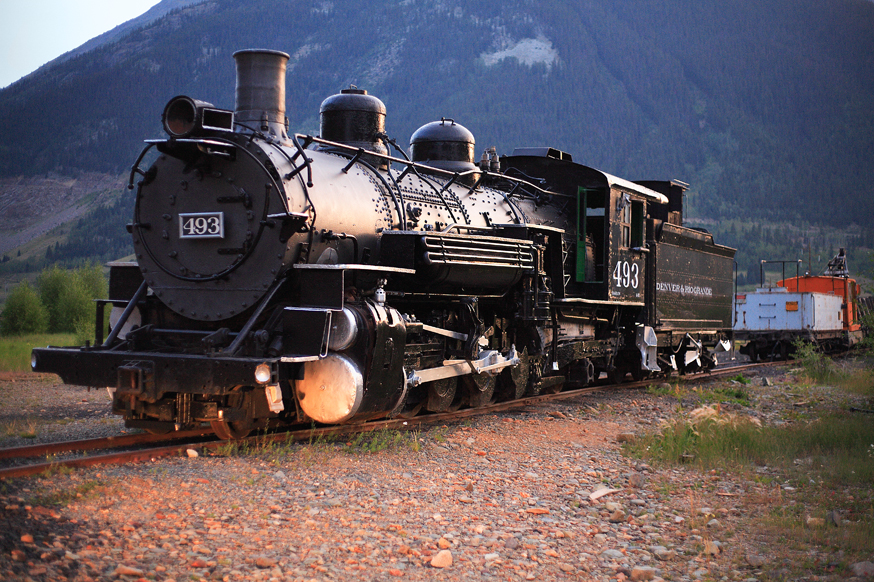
(538, 493)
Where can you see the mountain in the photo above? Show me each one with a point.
(764, 107)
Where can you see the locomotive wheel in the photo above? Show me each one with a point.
(580, 373)
(230, 430)
(480, 389)
(616, 375)
(412, 411)
(513, 381)
(553, 389)
(637, 372)
(441, 395)
(159, 431)
(240, 398)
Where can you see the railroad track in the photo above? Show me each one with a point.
(204, 437)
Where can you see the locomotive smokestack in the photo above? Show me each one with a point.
(260, 95)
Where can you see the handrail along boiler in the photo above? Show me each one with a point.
(331, 279)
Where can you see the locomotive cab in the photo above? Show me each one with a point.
(605, 239)
(610, 246)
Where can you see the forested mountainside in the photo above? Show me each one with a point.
(764, 107)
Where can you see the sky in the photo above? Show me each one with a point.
(33, 32)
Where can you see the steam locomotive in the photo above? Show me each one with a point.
(283, 278)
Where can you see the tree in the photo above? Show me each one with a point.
(68, 296)
(74, 306)
(23, 312)
(94, 280)
(51, 283)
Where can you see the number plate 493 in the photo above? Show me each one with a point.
(202, 225)
(626, 275)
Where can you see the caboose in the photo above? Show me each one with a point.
(821, 309)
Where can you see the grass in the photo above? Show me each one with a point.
(383, 440)
(827, 458)
(838, 444)
(263, 445)
(663, 389)
(28, 428)
(439, 433)
(25, 429)
(15, 350)
(66, 496)
(366, 442)
(736, 392)
(817, 366)
(740, 379)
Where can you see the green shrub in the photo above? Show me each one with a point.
(83, 330)
(68, 297)
(74, 305)
(867, 322)
(817, 366)
(23, 312)
(739, 394)
(51, 283)
(94, 280)
(741, 379)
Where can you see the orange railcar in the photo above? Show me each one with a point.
(845, 287)
(824, 309)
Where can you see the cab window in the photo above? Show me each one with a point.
(630, 218)
(625, 221)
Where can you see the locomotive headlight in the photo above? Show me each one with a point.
(180, 116)
(184, 116)
(262, 374)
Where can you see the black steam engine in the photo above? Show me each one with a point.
(332, 279)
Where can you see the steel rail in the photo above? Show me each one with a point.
(409, 423)
(110, 442)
